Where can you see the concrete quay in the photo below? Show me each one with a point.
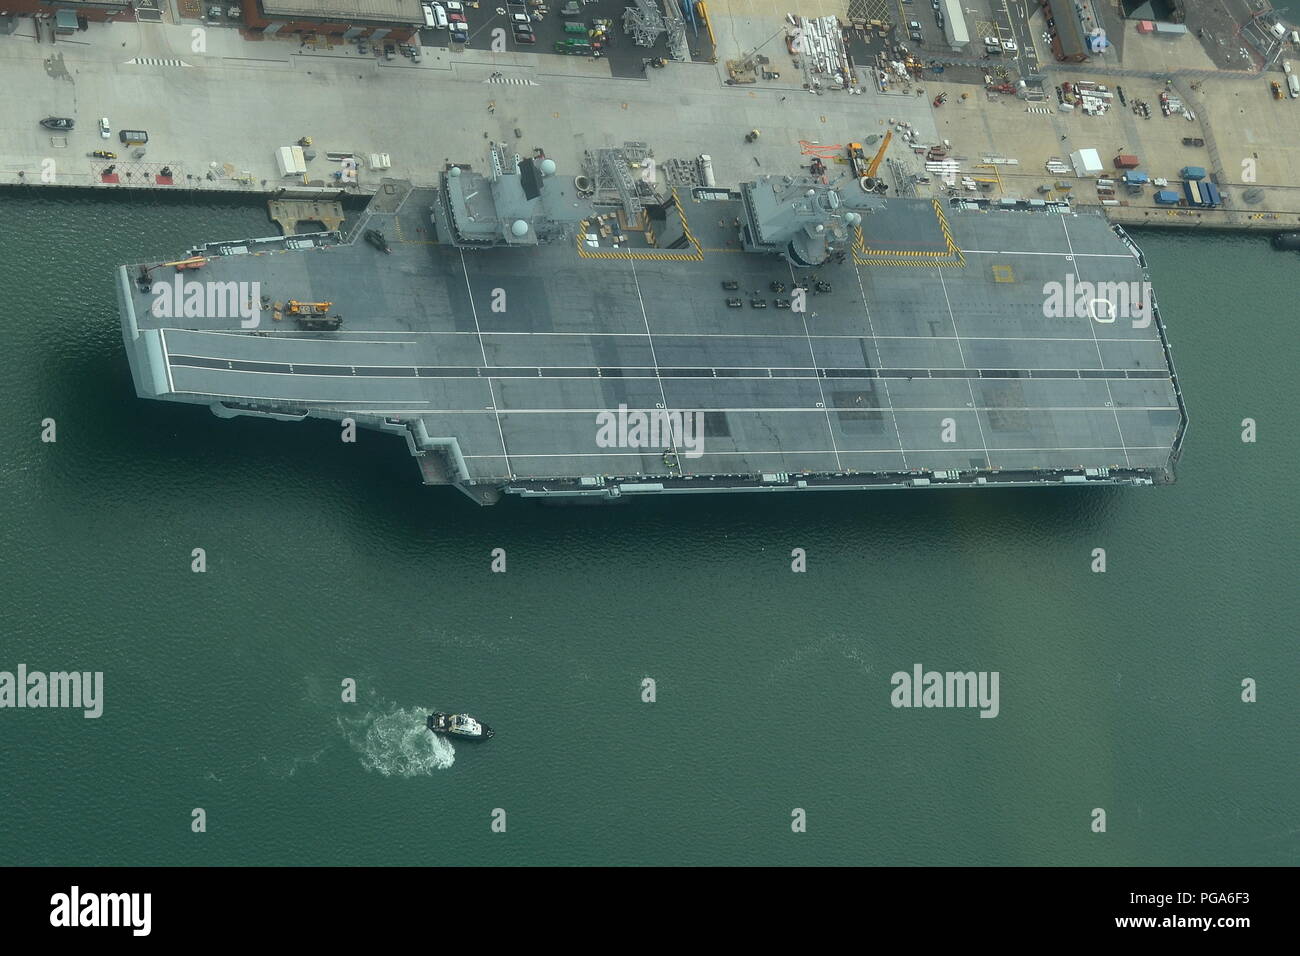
(217, 106)
(216, 118)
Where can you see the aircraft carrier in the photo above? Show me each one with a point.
(816, 335)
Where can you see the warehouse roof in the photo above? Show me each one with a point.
(395, 11)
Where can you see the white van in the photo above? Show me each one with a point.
(520, 18)
(439, 15)
(429, 21)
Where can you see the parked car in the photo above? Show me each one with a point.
(938, 18)
(1010, 46)
(454, 6)
(914, 31)
(389, 51)
(522, 29)
(460, 32)
(519, 18)
(525, 38)
(104, 129)
(457, 18)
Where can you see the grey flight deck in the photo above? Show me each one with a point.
(914, 343)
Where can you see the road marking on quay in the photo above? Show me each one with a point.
(156, 61)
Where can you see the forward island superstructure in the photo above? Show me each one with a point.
(604, 335)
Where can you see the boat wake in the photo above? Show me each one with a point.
(394, 742)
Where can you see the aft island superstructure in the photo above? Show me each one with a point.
(531, 333)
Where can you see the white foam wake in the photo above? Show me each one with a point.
(396, 743)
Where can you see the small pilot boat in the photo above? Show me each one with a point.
(459, 725)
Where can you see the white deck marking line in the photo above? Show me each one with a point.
(491, 391)
(871, 326)
(1086, 255)
(822, 451)
(289, 338)
(289, 333)
(812, 353)
(799, 410)
(969, 387)
(584, 378)
(750, 368)
(653, 358)
(167, 362)
(1092, 326)
(340, 402)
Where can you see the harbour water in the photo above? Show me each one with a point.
(328, 561)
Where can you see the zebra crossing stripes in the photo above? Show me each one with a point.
(155, 61)
(516, 80)
(1047, 110)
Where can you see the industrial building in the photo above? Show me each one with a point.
(66, 15)
(395, 20)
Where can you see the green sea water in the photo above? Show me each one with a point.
(328, 561)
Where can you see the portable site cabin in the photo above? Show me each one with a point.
(291, 161)
(1086, 162)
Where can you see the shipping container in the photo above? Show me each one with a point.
(1135, 178)
(1193, 172)
(1210, 194)
(1193, 193)
(1167, 197)
(1126, 161)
